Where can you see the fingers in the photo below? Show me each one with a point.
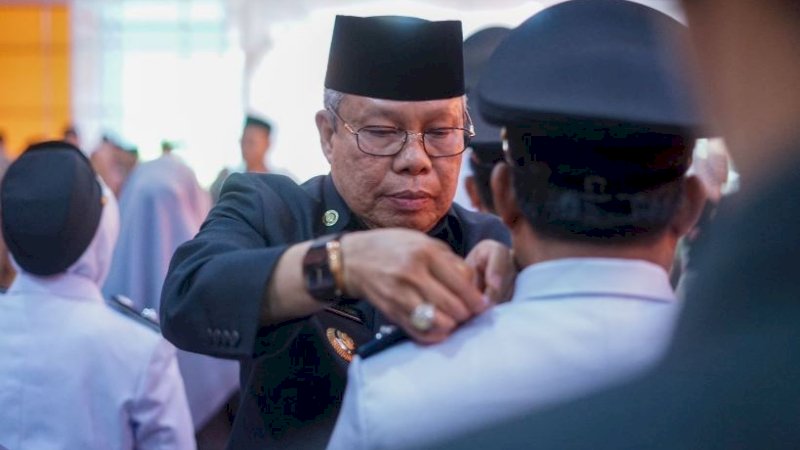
(495, 268)
(447, 299)
(499, 276)
(400, 307)
(457, 278)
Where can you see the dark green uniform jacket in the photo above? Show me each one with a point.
(292, 377)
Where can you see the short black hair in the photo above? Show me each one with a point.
(613, 187)
(258, 122)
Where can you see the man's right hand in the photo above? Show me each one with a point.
(398, 269)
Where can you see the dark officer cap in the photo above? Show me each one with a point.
(254, 121)
(593, 59)
(51, 207)
(396, 58)
(607, 79)
(486, 144)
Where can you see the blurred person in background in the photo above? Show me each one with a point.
(74, 373)
(486, 148)
(71, 135)
(7, 271)
(114, 161)
(711, 165)
(163, 206)
(254, 144)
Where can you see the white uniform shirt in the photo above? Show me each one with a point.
(573, 326)
(74, 374)
(162, 207)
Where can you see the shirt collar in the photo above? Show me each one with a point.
(65, 285)
(593, 277)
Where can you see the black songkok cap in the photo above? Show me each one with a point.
(478, 48)
(51, 207)
(396, 58)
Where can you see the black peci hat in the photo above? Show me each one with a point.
(478, 48)
(592, 59)
(396, 58)
(51, 207)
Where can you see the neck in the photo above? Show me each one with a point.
(260, 168)
(532, 249)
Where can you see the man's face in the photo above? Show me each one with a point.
(255, 142)
(409, 189)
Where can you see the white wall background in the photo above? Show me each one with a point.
(189, 70)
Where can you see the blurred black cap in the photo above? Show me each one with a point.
(478, 48)
(51, 207)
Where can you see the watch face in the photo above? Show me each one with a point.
(320, 282)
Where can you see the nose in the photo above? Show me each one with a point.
(412, 159)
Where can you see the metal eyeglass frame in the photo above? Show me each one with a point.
(468, 132)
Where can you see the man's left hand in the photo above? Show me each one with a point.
(494, 265)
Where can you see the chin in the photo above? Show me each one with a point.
(414, 222)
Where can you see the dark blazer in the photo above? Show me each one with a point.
(732, 376)
(292, 378)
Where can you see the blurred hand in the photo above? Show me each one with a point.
(398, 269)
(495, 270)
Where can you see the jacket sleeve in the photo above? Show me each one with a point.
(160, 412)
(215, 286)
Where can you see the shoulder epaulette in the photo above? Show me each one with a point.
(387, 337)
(147, 317)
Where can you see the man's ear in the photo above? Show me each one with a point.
(324, 121)
(472, 192)
(694, 199)
(504, 196)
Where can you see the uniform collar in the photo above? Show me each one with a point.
(448, 229)
(593, 277)
(65, 285)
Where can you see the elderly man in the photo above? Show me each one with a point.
(594, 192)
(291, 278)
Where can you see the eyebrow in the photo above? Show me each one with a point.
(369, 113)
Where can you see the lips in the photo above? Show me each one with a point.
(409, 200)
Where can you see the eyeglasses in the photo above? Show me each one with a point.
(388, 141)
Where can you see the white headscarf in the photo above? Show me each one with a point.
(95, 262)
(162, 206)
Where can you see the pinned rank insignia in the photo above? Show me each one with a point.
(342, 344)
(330, 217)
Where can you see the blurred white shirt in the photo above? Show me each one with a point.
(75, 374)
(573, 326)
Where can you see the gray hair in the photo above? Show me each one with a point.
(332, 100)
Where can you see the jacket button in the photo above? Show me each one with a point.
(235, 336)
